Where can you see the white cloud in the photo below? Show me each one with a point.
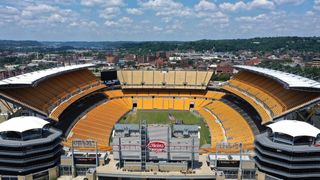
(36, 9)
(145, 21)
(111, 23)
(213, 18)
(8, 10)
(64, 2)
(233, 7)
(106, 3)
(122, 22)
(157, 4)
(260, 17)
(295, 2)
(177, 12)
(175, 19)
(38, 14)
(43, 10)
(56, 18)
(125, 20)
(174, 27)
(134, 11)
(205, 5)
(208, 13)
(263, 4)
(8, 14)
(310, 13)
(316, 5)
(255, 4)
(217, 20)
(91, 2)
(156, 28)
(83, 23)
(166, 7)
(109, 12)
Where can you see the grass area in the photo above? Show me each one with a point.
(162, 117)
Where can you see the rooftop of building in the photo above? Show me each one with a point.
(22, 124)
(294, 128)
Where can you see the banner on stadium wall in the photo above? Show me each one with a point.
(157, 146)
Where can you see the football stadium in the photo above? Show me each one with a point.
(159, 124)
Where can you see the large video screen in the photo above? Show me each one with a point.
(108, 75)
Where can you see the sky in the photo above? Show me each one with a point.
(156, 20)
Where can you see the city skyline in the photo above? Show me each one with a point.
(164, 20)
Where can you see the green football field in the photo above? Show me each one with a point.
(163, 117)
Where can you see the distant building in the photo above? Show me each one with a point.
(252, 62)
(161, 54)
(43, 61)
(85, 59)
(298, 61)
(11, 67)
(314, 63)
(7, 73)
(159, 62)
(175, 58)
(213, 66)
(225, 69)
(273, 57)
(130, 57)
(111, 58)
(151, 58)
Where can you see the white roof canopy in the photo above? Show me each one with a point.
(294, 128)
(30, 78)
(23, 123)
(292, 80)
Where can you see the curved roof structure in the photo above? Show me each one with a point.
(290, 80)
(33, 77)
(294, 128)
(22, 123)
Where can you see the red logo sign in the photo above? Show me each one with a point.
(156, 146)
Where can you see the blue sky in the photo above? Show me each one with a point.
(147, 20)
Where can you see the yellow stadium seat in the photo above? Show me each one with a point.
(98, 123)
(236, 127)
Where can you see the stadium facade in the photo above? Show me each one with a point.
(288, 150)
(29, 148)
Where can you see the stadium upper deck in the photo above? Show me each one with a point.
(273, 93)
(49, 92)
(289, 80)
(31, 79)
(164, 79)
